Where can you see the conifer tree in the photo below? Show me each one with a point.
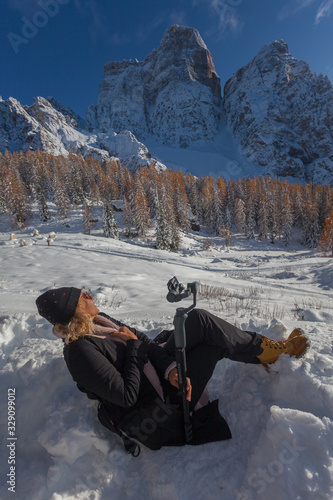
(93, 193)
(310, 225)
(209, 204)
(250, 225)
(181, 204)
(251, 209)
(110, 226)
(240, 215)
(167, 231)
(3, 206)
(183, 210)
(192, 191)
(250, 220)
(215, 218)
(272, 216)
(44, 214)
(263, 217)
(325, 203)
(227, 220)
(326, 237)
(152, 183)
(88, 218)
(226, 232)
(163, 231)
(141, 211)
(128, 217)
(16, 197)
(60, 196)
(287, 220)
(298, 204)
(76, 188)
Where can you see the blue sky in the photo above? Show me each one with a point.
(60, 50)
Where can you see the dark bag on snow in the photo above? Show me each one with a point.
(208, 425)
(160, 425)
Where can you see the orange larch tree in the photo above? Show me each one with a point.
(326, 237)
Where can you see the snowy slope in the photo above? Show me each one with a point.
(221, 157)
(281, 421)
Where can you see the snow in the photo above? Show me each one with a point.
(221, 157)
(281, 421)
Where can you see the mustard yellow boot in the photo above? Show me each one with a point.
(295, 345)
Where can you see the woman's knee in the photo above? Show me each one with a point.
(198, 318)
(196, 325)
(198, 313)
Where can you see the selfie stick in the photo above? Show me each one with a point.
(177, 292)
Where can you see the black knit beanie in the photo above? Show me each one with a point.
(58, 305)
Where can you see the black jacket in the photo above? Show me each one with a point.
(112, 372)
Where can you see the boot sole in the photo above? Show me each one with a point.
(304, 350)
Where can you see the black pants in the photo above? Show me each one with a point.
(209, 339)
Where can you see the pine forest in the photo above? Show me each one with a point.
(169, 202)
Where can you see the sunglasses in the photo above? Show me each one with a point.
(87, 295)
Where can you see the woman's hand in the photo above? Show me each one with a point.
(124, 334)
(173, 379)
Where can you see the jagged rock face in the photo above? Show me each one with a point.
(174, 94)
(71, 118)
(282, 113)
(21, 131)
(55, 128)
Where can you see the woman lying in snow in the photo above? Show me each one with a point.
(135, 378)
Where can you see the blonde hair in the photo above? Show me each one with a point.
(80, 325)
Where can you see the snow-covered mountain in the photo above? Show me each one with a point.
(55, 128)
(279, 113)
(282, 114)
(174, 94)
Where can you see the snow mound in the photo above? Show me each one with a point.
(284, 463)
(315, 315)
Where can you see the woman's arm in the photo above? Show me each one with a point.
(158, 356)
(93, 371)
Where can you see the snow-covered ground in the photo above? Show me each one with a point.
(222, 157)
(281, 421)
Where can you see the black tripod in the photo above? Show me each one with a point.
(177, 292)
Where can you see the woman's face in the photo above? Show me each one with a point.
(86, 304)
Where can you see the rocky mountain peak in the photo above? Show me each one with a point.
(174, 94)
(72, 118)
(278, 47)
(282, 114)
(184, 47)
